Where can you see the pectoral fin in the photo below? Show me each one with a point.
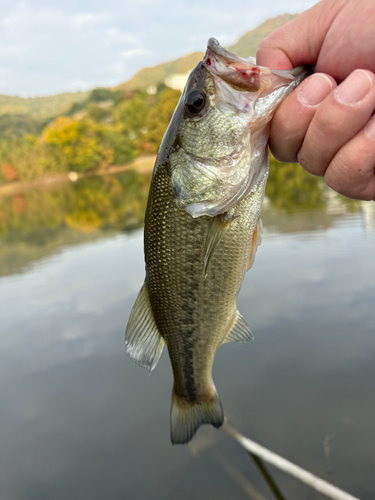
(255, 242)
(143, 340)
(219, 226)
(240, 331)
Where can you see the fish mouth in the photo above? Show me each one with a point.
(240, 73)
(244, 74)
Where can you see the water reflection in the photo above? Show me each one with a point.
(40, 221)
(81, 420)
(292, 189)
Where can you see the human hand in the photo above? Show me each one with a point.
(327, 126)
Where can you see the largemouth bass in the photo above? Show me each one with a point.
(203, 227)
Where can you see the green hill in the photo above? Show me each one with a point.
(248, 43)
(42, 109)
(246, 46)
(158, 74)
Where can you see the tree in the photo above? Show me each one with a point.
(101, 94)
(159, 117)
(130, 117)
(81, 142)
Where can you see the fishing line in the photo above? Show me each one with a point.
(294, 470)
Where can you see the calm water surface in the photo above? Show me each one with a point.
(80, 420)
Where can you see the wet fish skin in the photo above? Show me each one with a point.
(194, 312)
(202, 229)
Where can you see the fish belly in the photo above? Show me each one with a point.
(194, 312)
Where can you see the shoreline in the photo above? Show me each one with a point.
(142, 165)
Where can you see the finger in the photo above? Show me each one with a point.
(293, 117)
(352, 170)
(300, 40)
(339, 118)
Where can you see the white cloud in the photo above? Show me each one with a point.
(136, 52)
(226, 39)
(11, 20)
(48, 46)
(117, 68)
(12, 51)
(119, 36)
(88, 19)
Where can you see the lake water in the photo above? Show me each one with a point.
(80, 420)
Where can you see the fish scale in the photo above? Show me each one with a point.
(195, 312)
(202, 227)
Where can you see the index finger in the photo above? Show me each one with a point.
(299, 41)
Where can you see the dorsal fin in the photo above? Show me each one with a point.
(239, 332)
(255, 242)
(143, 339)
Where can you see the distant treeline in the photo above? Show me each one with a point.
(109, 127)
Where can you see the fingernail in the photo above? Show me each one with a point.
(316, 88)
(354, 88)
(370, 128)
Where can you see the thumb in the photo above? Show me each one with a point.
(299, 41)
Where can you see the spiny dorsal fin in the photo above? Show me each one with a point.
(143, 340)
(240, 331)
(218, 227)
(255, 242)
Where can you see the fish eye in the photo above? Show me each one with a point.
(196, 101)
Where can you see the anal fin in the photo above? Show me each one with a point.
(240, 331)
(143, 339)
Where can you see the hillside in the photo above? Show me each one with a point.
(40, 109)
(246, 46)
(80, 132)
(158, 74)
(248, 43)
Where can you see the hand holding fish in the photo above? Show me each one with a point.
(328, 127)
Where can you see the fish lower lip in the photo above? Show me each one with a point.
(237, 72)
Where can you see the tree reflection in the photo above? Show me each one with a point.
(40, 221)
(109, 202)
(290, 188)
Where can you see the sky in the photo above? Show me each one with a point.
(53, 46)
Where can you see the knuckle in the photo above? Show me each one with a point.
(286, 127)
(261, 46)
(325, 124)
(370, 197)
(339, 175)
(285, 138)
(345, 180)
(334, 183)
(281, 155)
(309, 165)
(350, 173)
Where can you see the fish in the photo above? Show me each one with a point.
(203, 227)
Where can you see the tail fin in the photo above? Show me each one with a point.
(186, 417)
